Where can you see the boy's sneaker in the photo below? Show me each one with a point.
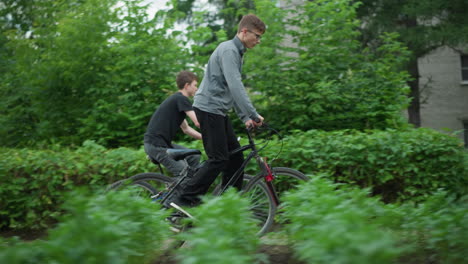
(176, 199)
(175, 220)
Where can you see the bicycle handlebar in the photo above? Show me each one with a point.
(264, 126)
(256, 119)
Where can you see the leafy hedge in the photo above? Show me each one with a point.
(335, 223)
(34, 181)
(111, 228)
(398, 165)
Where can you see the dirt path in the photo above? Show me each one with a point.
(276, 254)
(274, 246)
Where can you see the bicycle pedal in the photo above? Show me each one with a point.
(181, 210)
(175, 230)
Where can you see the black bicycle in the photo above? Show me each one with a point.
(264, 190)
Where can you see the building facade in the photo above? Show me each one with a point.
(444, 91)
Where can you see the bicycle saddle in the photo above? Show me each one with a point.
(179, 154)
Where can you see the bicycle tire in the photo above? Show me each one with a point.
(145, 190)
(282, 174)
(150, 183)
(263, 210)
(152, 176)
(153, 183)
(262, 204)
(285, 179)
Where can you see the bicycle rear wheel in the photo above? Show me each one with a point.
(153, 186)
(145, 185)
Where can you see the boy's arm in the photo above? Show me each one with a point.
(193, 117)
(188, 130)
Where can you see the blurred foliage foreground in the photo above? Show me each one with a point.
(324, 223)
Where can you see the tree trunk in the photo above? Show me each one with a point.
(414, 113)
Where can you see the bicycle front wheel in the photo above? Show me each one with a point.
(262, 205)
(285, 179)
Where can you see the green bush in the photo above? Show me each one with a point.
(111, 228)
(34, 181)
(336, 223)
(439, 228)
(223, 232)
(396, 164)
(331, 223)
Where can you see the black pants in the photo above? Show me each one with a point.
(218, 140)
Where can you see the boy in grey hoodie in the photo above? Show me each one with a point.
(220, 91)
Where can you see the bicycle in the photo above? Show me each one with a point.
(264, 196)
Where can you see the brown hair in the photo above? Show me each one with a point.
(185, 77)
(251, 22)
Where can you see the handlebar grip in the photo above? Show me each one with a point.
(255, 119)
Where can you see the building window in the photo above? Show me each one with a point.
(465, 132)
(464, 67)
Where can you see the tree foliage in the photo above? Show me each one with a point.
(74, 70)
(91, 69)
(324, 78)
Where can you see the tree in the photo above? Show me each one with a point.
(206, 29)
(140, 74)
(83, 69)
(56, 65)
(422, 25)
(325, 79)
(226, 18)
(19, 48)
(96, 70)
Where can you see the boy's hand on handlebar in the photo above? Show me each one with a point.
(256, 122)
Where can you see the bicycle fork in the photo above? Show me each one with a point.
(268, 177)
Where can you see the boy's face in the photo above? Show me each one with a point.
(251, 38)
(192, 88)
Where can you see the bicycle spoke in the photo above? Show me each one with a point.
(261, 204)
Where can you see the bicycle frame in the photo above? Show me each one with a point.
(185, 172)
(262, 164)
(259, 189)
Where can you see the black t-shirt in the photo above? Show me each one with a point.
(166, 120)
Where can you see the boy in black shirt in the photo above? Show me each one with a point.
(166, 121)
